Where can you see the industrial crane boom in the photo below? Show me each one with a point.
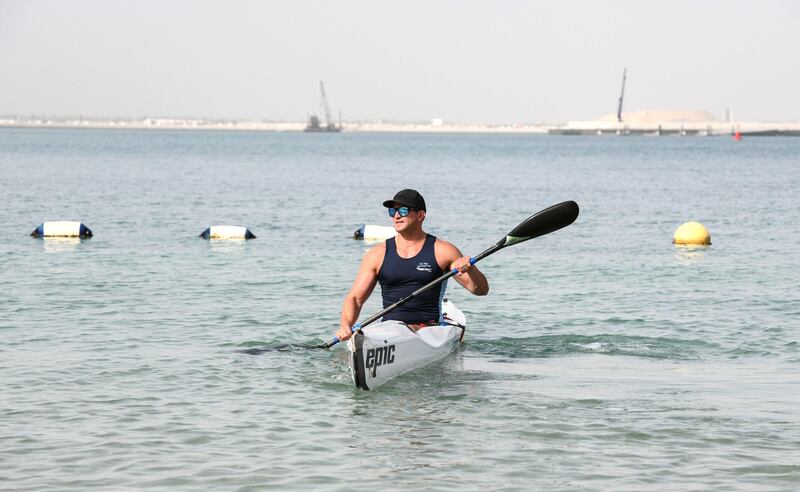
(324, 103)
(621, 95)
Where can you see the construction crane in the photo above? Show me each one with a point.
(621, 95)
(324, 105)
(313, 121)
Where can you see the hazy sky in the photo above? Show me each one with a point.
(463, 61)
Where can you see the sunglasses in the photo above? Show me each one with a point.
(403, 211)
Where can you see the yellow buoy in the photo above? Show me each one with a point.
(691, 233)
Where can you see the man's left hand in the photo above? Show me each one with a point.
(463, 265)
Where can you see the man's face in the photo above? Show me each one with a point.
(404, 222)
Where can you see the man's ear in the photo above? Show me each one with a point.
(421, 215)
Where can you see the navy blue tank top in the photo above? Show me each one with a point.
(400, 277)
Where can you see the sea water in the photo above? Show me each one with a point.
(604, 357)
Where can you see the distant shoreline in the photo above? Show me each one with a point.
(244, 125)
(598, 127)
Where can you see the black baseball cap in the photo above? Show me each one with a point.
(408, 198)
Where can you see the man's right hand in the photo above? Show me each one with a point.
(343, 333)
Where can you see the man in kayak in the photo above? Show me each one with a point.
(403, 264)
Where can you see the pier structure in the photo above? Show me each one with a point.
(672, 122)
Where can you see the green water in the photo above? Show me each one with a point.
(604, 358)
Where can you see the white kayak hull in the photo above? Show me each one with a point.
(385, 350)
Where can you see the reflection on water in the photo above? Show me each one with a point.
(372, 242)
(688, 254)
(60, 244)
(227, 245)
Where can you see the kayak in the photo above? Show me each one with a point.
(385, 350)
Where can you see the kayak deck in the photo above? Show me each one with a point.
(388, 349)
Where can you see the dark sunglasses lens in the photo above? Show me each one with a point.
(403, 211)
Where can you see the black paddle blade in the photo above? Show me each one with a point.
(544, 222)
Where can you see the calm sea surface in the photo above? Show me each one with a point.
(604, 358)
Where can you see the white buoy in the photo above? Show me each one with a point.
(374, 233)
(227, 232)
(62, 228)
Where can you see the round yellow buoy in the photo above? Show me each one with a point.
(691, 233)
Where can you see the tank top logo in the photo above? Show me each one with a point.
(424, 266)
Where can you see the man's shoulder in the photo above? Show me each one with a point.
(447, 249)
(441, 243)
(373, 258)
(376, 252)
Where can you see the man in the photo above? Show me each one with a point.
(405, 263)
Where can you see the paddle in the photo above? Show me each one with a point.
(543, 222)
